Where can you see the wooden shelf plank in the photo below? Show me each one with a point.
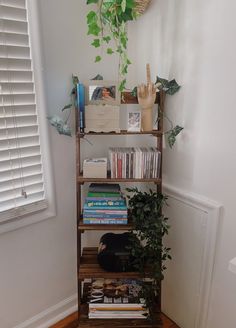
(89, 267)
(155, 133)
(81, 179)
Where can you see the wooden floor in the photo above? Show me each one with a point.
(71, 322)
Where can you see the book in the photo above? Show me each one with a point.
(81, 105)
(104, 187)
(115, 293)
(109, 203)
(103, 194)
(104, 221)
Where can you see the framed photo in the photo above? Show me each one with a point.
(134, 121)
(101, 92)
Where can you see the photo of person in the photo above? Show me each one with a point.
(134, 121)
(103, 93)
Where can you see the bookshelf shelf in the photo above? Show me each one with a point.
(87, 265)
(155, 133)
(81, 179)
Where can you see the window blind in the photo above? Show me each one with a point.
(21, 172)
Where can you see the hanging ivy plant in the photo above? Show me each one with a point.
(107, 24)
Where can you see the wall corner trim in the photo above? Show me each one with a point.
(51, 315)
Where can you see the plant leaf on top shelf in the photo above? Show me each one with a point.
(170, 87)
(60, 125)
(173, 87)
(171, 135)
(134, 92)
(67, 107)
(97, 77)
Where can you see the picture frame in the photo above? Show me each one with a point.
(102, 92)
(134, 121)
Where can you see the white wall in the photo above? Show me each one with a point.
(193, 41)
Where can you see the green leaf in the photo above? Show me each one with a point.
(110, 51)
(171, 135)
(122, 85)
(164, 82)
(92, 1)
(134, 92)
(98, 59)
(94, 29)
(96, 43)
(66, 107)
(173, 87)
(107, 39)
(91, 16)
(123, 5)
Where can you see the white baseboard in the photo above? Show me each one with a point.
(51, 315)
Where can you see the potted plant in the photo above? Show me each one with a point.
(149, 225)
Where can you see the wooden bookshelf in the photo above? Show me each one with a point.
(155, 133)
(81, 179)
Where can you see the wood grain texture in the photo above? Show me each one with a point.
(72, 322)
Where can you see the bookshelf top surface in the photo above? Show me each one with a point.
(155, 133)
(81, 179)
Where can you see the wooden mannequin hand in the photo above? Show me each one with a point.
(146, 95)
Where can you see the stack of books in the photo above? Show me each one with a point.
(135, 162)
(116, 299)
(105, 204)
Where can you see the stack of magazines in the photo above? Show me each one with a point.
(105, 204)
(116, 299)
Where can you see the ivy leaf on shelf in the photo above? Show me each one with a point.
(122, 85)
(170, 87)
(134, 92)
(98, 59)
(96, 43)
(173, 87)
(171, 135)
(60, 125)
(67, 107)
(97, 77)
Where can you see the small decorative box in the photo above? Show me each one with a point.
(95, 168)
(102, 118)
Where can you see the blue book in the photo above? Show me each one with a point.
(104, 216)
(110, 208)
(81, 105)
(104, 221)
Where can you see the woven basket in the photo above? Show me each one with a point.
(141, 6)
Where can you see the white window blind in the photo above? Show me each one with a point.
(21, 173)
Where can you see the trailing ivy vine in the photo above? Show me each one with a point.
(108, 23)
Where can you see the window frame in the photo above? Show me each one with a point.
(49, 187)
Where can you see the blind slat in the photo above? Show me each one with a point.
(32, 179)
(14, 39)
(15, 193)
(17, 174)
(11, 13)
(34, 197)
(25, 162)
(18, 52)
(14, 3)
(10, 26)
(16, 76)
(8, 88)
(14, 64)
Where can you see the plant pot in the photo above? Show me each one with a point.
(141, 6)
(146, 119)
